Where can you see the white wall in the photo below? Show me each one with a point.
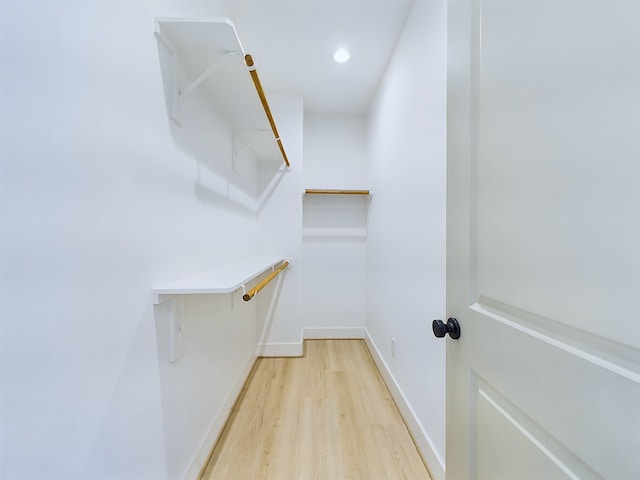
(334, 227)
(103, 198)
(280, 221)
(406, 242)
(335, 151)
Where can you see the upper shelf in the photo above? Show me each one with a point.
(225, 279)
(207, 55)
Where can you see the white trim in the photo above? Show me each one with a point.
(337, 332)
(429, 454)
(201, 456)
(280, 349)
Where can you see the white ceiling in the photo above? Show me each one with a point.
(293, 41)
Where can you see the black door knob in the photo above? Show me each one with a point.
(452, 327)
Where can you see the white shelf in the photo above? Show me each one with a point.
(225, 279)
(207, 55)
(338, 214)
(334, 232)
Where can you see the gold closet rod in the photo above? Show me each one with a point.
(311, 191)
(248, 60)
(252, 293)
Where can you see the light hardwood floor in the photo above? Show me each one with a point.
(327, 415)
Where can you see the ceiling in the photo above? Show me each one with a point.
(293, 41)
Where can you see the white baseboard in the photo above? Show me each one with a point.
(218, 424)
(338, 332)
(280, 349)
(434, 462)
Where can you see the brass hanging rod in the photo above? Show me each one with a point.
(311, 191)
(252, 293)
(248, 60)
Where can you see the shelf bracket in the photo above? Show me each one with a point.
(170, 309)
(239, 151)
(204, 75)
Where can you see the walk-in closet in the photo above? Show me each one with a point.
(370, 239)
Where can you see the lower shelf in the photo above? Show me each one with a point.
(334, 232)
(225, 279)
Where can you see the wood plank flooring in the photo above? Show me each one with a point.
(327, 415)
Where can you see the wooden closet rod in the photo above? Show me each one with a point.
(248, 60)
(252, 293)
(311, 191)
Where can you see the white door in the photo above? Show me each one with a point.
(543, 249)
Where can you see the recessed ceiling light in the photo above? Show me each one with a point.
(341, 55)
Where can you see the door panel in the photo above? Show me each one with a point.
(557, 119)
(543, 272)
(570, 405)
(501, 428)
